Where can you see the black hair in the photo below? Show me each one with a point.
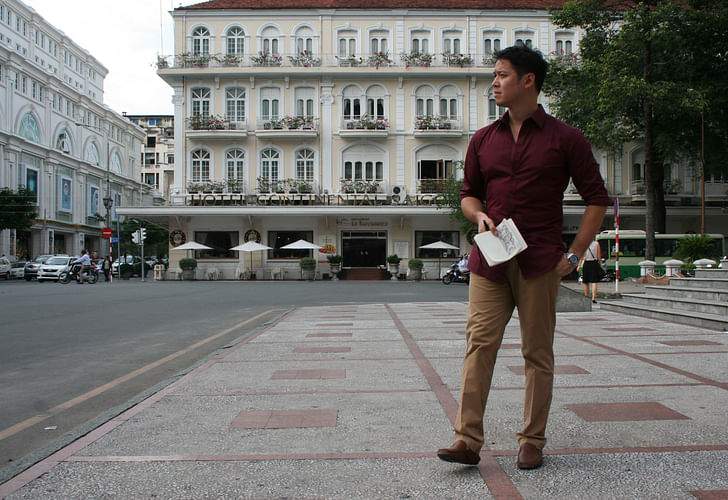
(525, 60)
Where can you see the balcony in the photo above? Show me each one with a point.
(287, 127)
(209, 127)
(310, 62)
(364, 127)
(435, 126)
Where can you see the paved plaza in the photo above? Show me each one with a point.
(352, 401)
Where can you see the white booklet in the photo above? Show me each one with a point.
(505, 246)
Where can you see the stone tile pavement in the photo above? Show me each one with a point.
(347, 402)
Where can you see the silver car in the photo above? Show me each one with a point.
(54, 266)
(17, 272)
(33, 266)
(4, 268)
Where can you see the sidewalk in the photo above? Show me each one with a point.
(349, 402)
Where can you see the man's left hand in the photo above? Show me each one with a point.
(564, 267)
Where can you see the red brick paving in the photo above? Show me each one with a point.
(308, 374)
(285, 419)
(625, 412)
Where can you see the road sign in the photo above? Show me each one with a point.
(115, 239)
(106, 232)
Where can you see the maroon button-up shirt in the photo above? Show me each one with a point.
(525, 181)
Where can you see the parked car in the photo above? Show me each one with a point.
(54, 266)
(5, 268)
(135, 261)
(32, 266)
(17, 272)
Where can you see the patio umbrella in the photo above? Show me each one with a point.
(192, 245)
(250, 247)
(439, 245)
(301, 245)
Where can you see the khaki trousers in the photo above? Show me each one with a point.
(490, 308)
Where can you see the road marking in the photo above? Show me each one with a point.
(5, 433)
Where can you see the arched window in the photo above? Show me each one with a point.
(305, 165)
(201, 101)
(305, 102)
(235, 41)
(363, 163)
(492, 41)
(451, 42)
(235, 104)
(200, 41)
(29, 128)
(92, 154)
(347, 43)
(116, 163)
(375, 102)
(424, 101)
(235, 165)
(200, 166)
(270, 39)
(352, 101)
(63, 142)
(449, 103)
(494, 111)
(269, 165)
(270, 103)
(420, 41)
(304, 40)
(524, 37)
(379, 42)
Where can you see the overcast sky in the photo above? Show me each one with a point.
(125, 36)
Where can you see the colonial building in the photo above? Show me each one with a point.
(58, 139)
(157, 157)
(337, 122)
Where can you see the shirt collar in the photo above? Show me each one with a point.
(539, 117)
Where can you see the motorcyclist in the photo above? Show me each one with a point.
(81, 265)
(463, 265)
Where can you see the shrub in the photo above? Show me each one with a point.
(308, 263)
(698, 246)
(415, 264)
(393, 259)
(188, 264)
(335, 259)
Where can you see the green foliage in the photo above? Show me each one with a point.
(188, 264)
(334, 258)
(157, 242)
(698, 246)
(308, 263)
(393, 259)
(449, 198)
(415, 264)
(647, 72)
(17, 208)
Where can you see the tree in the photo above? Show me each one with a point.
(450, 198)
(17, 208)
(155, 245)
(643, 73)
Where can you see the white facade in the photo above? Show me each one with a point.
(341, 124)
(59, 139)
(157, 158)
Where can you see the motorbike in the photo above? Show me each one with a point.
(91, 276)
(454, 275)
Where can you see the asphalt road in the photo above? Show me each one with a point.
(74, 355)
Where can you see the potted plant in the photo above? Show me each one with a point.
(188, 266)
(415, 266)
(308, 268)
(393, 262)
(335, 264)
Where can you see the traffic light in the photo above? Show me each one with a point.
(143, 232)
(135, 237)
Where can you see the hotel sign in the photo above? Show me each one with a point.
(283, 199)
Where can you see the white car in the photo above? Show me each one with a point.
(5, 268)
(17, 272)
(54, 266)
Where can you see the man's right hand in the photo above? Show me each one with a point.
(485, 223)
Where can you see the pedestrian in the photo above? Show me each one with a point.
(591, 270)
(519, 167)
(106, 267)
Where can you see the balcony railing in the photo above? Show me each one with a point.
(437, 123)
(308, 61)
(288, 123)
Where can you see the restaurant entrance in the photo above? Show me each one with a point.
(364, 248)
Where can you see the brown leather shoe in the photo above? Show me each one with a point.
(459, 453)
(529, 457)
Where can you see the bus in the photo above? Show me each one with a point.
(632, 246)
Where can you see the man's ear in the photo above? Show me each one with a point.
(529, 80)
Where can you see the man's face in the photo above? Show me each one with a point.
(507, 85)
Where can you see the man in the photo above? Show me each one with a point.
(81, 265)
(519, 166)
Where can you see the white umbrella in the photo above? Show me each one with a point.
(250, 246)
(301, 245)
(192, 245)
(439, 245)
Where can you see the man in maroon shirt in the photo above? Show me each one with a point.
(519, 167)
